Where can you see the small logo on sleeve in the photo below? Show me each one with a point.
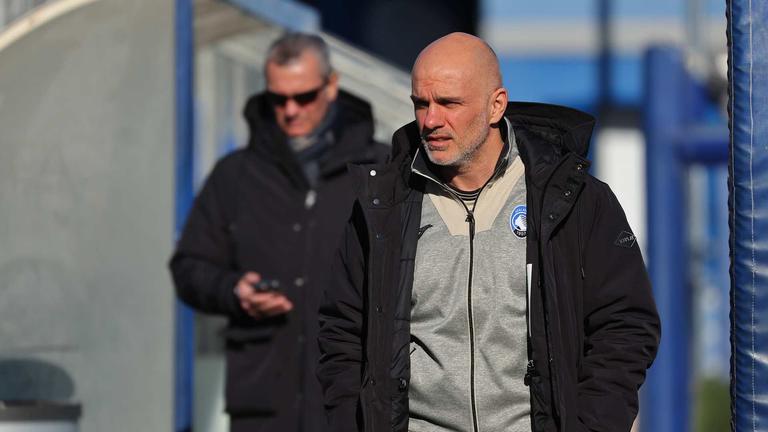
(518, 221)
(625, 239)
(423, 229)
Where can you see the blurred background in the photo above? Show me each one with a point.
(112, 112)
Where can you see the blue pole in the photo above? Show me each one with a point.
(706, 145)
(605, 73)
(748, 207)
(184, 343)
(665, 403)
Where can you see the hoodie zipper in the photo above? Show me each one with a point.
(471, 221)
(470, 312)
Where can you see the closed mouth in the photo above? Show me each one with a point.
(438, 138)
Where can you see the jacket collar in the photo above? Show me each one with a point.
(352, 131)
(421, 165)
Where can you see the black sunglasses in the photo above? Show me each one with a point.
(302, 99)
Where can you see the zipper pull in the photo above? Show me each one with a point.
(471, 220)
(530, 372)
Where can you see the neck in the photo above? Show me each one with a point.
(301, 143)
(476, 172)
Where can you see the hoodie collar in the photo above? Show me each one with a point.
(423, 167)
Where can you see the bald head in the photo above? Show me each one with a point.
(462, 55)
(458, 100)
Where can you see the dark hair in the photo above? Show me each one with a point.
(292, 45)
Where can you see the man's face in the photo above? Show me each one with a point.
(451, 112)
(300, 94)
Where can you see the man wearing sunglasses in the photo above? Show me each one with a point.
(258, 241)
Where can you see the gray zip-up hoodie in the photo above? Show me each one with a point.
(468, 313)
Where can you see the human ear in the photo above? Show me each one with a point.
(497, 104)
(332, 88)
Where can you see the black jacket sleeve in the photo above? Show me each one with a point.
(202, 266)
(621, 325)
(341, 333)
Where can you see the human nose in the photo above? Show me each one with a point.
(291, 107)
(433, 118)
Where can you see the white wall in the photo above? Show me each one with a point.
(86, 209)
(620, 162)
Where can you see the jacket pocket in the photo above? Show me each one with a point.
(541, 406)
(241, 334)
(252, 383)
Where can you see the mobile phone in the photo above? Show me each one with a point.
(267, 285)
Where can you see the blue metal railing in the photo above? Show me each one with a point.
(185, 162)
(674, 140)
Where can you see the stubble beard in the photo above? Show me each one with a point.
(466, 153)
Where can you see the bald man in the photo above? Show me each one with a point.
(486, 281)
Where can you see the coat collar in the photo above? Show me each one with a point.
(352, 130)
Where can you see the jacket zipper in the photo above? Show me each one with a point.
(470, 316)
(471, 221)
(471, 322)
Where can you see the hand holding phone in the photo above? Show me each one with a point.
(261, 298)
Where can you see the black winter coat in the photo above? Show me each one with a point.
(595, 329)
(256, 212)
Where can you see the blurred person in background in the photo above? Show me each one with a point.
(258, 241)
(486, 281)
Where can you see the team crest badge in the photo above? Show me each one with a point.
(518, 221)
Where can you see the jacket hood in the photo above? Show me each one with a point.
(559, 125)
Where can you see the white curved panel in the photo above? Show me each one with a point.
(86, 206)
(37, 18)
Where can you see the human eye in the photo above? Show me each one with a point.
(449, 102)
(419, 103)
